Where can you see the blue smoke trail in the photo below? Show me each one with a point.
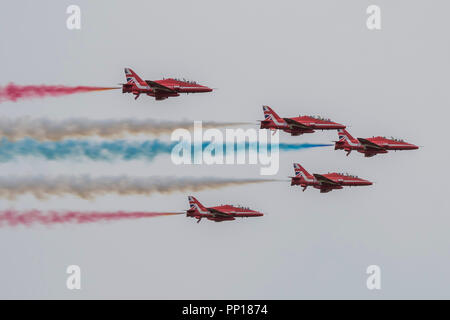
(109, 150)
(298, 146)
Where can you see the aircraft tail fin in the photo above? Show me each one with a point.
(196, 206)
(301, 172)
(270, 115)
(133, 78)
(344, 135)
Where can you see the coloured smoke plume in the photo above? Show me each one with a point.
(46, 129)
(13, 92)
(109, 150)
(31, 217)
(88, 187)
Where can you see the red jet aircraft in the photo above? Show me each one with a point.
(370, 146)
(160, 89)
(325, 182)
(298, 125)
(220, 213)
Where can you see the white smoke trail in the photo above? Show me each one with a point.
(88, 187)
(46, 129)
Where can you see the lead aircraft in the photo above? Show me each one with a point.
(159, 89)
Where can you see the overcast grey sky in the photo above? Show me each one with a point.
(299, 57)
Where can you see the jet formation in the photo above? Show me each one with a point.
(309, 124)
(295, 126)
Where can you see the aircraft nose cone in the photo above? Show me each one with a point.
(206, 89)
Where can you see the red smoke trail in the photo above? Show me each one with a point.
(14, 218)
(14, 92)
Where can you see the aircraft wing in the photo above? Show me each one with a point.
(295, 124)
(370, 145)
(157, 87)
(324, 180)
(219, 213)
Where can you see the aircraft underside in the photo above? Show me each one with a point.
(325, 189)
(220, 219)
(156, 96)
(127, 88)
(369, 154)
(297, 132)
